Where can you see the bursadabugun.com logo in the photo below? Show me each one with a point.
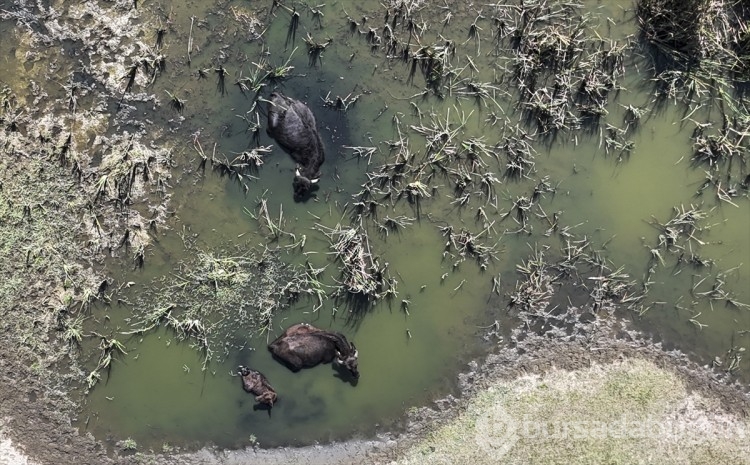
(498, 431)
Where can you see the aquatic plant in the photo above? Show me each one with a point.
(220, 291)
(360, 274)
(468, 245)
(315, 50)
(73, 330)
(695, 46)
(128, 444)
(176, 103)
(221, 74)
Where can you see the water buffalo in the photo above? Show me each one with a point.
(292, 125)
(257, 384)
(303, 346)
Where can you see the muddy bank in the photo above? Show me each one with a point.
(535, 357)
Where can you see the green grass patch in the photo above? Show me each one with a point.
(623, 413)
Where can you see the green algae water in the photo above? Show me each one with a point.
(411, 346)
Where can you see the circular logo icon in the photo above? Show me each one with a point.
(496, 431)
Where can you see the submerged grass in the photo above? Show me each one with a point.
(219, 300)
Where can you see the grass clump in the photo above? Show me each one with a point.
(219, 299)
(361, 276)
(695, 46)
(128, 444)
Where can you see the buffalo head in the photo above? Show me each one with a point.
(349, 361)
(303, 186)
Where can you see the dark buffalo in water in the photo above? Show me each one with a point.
(304, 346)
(257, 384)
(292, 125)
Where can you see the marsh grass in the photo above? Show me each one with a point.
(53, 246)
(724, 151)
(315, 50)
(361, 275)
(697, 48)
(44, 247)
(175, 103)
(468, 245)
(207, 300)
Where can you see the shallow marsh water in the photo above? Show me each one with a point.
(157, 394)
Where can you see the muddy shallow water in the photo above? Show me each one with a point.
(412, 346)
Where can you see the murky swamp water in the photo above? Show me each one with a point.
(409, 353)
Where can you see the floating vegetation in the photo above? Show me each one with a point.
(684, 224)
(730, 362)
(432, 62)
(468, 245)
(696, 46)
(394, 224)
(677, 236)
(211, 300)
(520, 154)
(175, 103)
(361, 276)
(340, 103)
(268, 73)
(615, 141)
(242, 169)
(717, 292)
(533, 292)
(731, 143)
(250, 160)
(315, 50)
(614, 286)
(275, 227)
(633, 116)
(109, 349)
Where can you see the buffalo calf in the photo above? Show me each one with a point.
(257, 384)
